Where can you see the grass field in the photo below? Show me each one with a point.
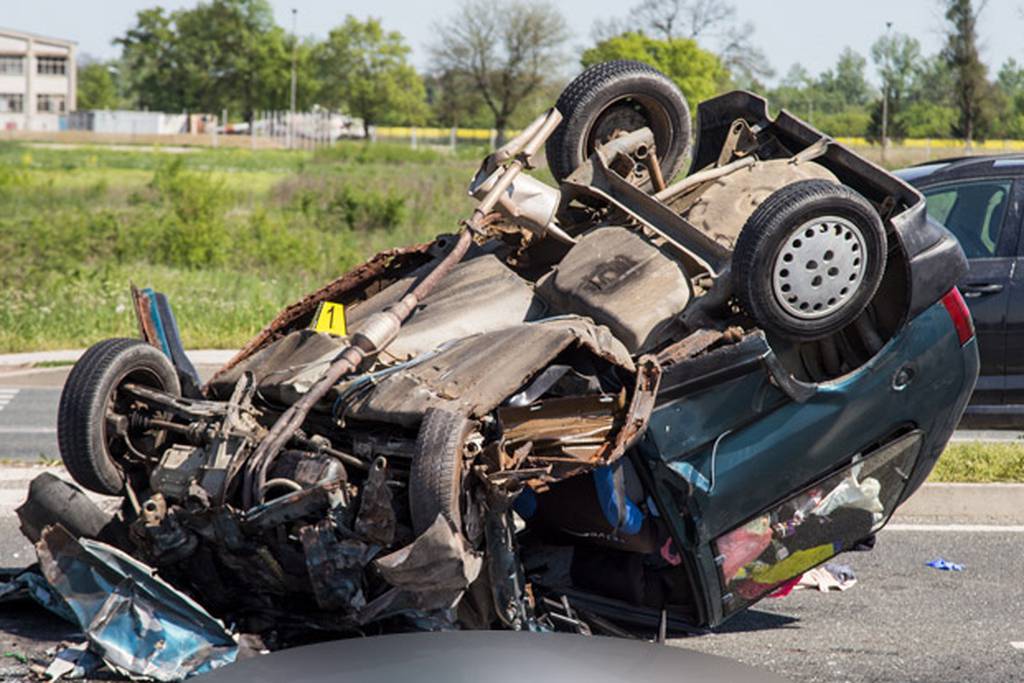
(981, 463)
(230, 235)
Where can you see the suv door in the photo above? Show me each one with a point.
(983, 215)
(1015, 307)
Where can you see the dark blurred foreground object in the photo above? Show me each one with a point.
(493, 656)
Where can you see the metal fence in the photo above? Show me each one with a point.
(311, 130)
(301, 130)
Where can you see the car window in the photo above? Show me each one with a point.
(973, 212)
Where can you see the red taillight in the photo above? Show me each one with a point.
(957, 308)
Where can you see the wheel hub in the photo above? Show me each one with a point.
(819, 267)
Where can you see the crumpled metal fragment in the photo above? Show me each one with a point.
(376, 520)
(138, 624)
(429, 574)
(335, 566)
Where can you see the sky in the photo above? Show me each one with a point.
(811, 32)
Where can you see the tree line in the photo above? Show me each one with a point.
(494, 65)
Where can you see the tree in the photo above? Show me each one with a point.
(670, 19)
(1010, 89)
(896, 56)
(454, 101)
(508, 51)
(698, 73)
(748, 64)
(149, 59)
(848, 82)
(96, 86)
(219, 54)
(365, 69)
(709, 22)
(972, 90)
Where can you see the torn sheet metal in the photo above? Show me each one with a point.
(464, 378)
(136, 622)
(567, 427)
(431, 573)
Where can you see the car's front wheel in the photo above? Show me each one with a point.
(809, 259)
(94, 421)
(435, 477)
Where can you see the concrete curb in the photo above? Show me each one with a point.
(996, 503)
(198, 356)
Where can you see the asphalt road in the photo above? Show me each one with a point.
(902, 621)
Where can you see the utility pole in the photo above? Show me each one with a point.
(295, 57)
(885, 97)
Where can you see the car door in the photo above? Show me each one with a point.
(983, 214)
(1014, 392)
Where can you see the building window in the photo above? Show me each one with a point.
(12, 103)
(53, 104)
(12, 65)
(53, 66)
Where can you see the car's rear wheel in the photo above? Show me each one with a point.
(435, 477)
(94, 449)
(809, 259)
(619, 97)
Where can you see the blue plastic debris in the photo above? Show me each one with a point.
(137, 623)
(945, 565)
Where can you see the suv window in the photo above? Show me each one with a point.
(973, 212)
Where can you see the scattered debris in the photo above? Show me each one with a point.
(828, 577)
(137, 623)
(944, 565)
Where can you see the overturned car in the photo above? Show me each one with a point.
(628, 400)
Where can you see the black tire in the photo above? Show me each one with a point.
(621, 95)
(772, 227)
(93, 457)
(435, 477)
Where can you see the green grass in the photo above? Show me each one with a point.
(980, 463)
(230, 236)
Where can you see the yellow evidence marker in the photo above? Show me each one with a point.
(330, 318)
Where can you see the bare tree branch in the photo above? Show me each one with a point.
(508, 50)
(668, 19)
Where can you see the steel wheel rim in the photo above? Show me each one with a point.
(819, 267)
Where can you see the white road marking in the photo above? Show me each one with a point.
(6, 396)
(1018, 645)
(964, 528)
(28, 430)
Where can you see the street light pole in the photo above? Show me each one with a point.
(295, 57)
(885, 96)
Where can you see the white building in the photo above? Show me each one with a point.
(37, 80)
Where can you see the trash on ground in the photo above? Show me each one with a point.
(828, 577)
(945, 565)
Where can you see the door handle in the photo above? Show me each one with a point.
(975, 291)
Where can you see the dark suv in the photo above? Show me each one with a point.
(979, 200)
